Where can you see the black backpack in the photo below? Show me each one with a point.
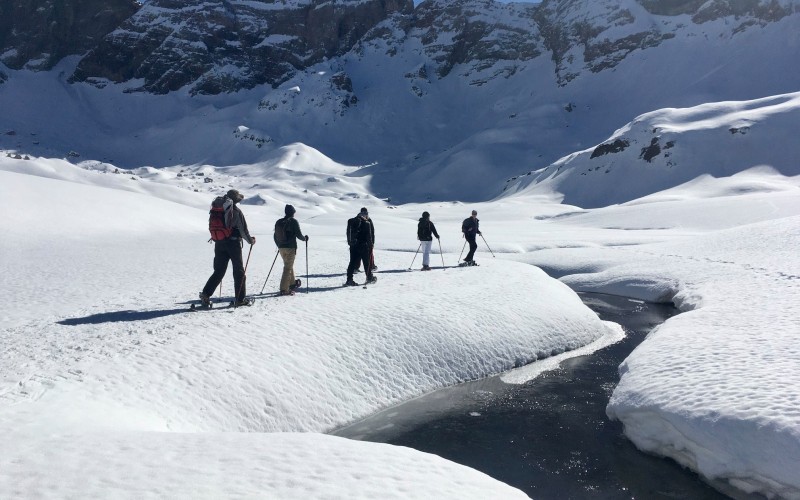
(282, 232)
(353, 227)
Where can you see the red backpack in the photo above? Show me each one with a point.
(216, 219)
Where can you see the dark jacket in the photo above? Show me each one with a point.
(426, 230)
(293, 233)
(360, 231)
(470, 227)
(235, 219)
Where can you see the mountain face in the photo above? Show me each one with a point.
(38, 34)
(431, 97)
(228, 45)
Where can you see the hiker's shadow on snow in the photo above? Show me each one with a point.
(120, 317)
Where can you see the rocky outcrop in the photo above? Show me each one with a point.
(228, 45)
(476, 34)
(36, 34)
(220, 46)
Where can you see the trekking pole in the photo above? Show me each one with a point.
(270, 270)
(462, 252)
(487, 245)
(244, 277)
(440, 252)
(415, 256)
(306, 264)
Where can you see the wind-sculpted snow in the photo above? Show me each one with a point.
(97, 338)
(715, 388)
(107, 350)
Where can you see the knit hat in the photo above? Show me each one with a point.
(289, 210)
(363, 211)
(474, 212)
(425, 215)
(235, 195)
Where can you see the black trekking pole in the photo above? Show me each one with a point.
(244, 277)
(270, 270)
(440, 252)
(415, 256)
(487, 245)
(306, 264)
(462, 252)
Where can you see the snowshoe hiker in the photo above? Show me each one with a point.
(470, 228)
(287, 232)
(425, 233)
(228, 248)
(361, 239)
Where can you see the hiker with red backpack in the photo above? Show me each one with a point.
(287, 232)
(228, 228)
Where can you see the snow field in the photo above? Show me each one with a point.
(99, 346)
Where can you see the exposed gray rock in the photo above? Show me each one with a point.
(228, 45)
(36, 34)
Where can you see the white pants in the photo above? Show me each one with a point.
(426, 252)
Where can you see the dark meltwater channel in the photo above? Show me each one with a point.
(549, 437)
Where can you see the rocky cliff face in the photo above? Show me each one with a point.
(219, 46)
(36, 34)
(228, 45)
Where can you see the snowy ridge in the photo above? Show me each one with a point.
(668, 147)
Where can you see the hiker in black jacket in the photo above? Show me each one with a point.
(230, 249)
(470, 228)
(425, 233)
(287, 246)
(361, 239)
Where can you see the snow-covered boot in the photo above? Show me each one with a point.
(205, 300)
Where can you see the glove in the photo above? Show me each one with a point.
(480, 233)
(437, 237)
(252, 240)
(306, 238)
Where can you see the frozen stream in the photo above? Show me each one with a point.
(549, 437)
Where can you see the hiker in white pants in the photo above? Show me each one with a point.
(425, 233)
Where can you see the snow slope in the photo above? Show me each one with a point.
(715, 388)
(668, 147)
(99, 345)
(98, 269)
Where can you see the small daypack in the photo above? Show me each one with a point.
(353, 227)
(282, 231)
(216, 220)
(466, 225)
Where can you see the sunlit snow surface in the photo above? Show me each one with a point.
(98, 348)
(103, 364)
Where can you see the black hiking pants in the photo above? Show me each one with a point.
(224, 251)
(472, 247)
(360, 254)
